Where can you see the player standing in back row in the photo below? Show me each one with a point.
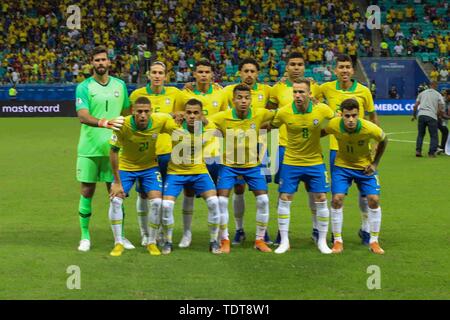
(100, 101)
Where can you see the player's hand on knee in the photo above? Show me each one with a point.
(114, 124)
(117, 191)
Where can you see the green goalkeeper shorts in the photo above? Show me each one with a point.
(94, 169)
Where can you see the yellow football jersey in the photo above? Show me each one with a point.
(260, 95)
(282, 94)
(241, 140)
(138, 147)
(354, 148)
(161, 102)
(213, 100)
(334, 96)
(196, 143)
(303, 129)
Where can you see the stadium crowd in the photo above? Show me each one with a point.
(36, 46)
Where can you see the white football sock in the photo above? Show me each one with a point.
(167, 219)
(312, 206)
(284, 218)
(239, 209)
(262, 215)
(323, 217)
(223, 207)
(375, 223)
(337, 218)
(142, 212)
(364, 208)
(115, 217)
(188, 211)
(154, 216)
(213, 217)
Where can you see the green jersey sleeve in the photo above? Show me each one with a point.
(82, 97)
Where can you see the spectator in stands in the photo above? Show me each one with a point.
(443, 74)
(373, 89)
(393, 94)
(434, 74)
(398, 49)
(327, 74)
(384, 46)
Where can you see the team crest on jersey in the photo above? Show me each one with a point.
(116, 94)
(215, 104)
(167, 101)
(154, 136)
(316, 122)
(260, 97)
(360, 143)
(114, 138)
(253, 126)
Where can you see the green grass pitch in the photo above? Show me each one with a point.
(39, 233)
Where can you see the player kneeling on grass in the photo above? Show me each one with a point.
(188, 170)
(303, 160)
(137, 161)
(354, 163)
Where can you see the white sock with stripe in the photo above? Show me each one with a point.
(312, 206)
(323, 217)
(154, 208)
(284, 218)
(115, 217)
(224, 217)
(375, 223)
(262, 215)
(142, 212)
(364, 208)
(239, 208)
(213, 217)
(167, 219)
(188, 211)
(337, 218)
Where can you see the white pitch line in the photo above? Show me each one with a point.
(404, 132)
(409, 141)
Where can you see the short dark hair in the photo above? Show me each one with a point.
(97, 50)
(344, 58)
(349, 104)
(294, 55)
(203, 62)
(303, 80)
(194, 102)
(241, 87)
(249, 61)
(143, 100)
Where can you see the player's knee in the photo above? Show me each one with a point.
(212, 203)
(239, 188)
(363, 203)
(155, 204)
(373, 201)
(337, 201)
(223, 204)
(116, 201)
(262, 201)
(318, 197)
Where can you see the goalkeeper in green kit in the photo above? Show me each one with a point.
(101, 102)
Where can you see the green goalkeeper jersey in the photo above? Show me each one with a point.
(102, 101)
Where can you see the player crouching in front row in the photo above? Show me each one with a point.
(354, 162)
(137, 161)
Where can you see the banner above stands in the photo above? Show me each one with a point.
(394, 107)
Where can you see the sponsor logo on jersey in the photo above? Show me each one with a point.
(116, 94)
(253, 126)
(260, 97)
(316, 122)
(154, 136)
(215, 104)
(79, 101)
(167, 101)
